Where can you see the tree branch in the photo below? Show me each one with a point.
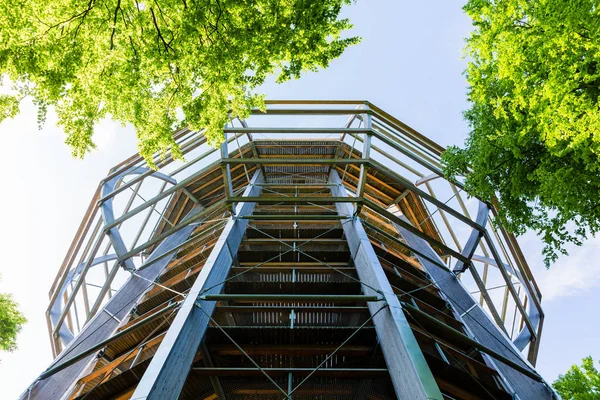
(82, 14)
(135, 53)
(160, 36)
(114, 29)
(164, 17)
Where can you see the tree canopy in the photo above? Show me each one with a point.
(580, 382)
(11, 322)
(159, 64)
(534, 144)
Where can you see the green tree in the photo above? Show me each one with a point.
(159, 64)
(534, 144)
(580, 382)
(11, 322)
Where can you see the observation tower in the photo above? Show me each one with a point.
(318, 254)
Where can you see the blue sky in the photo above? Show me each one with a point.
(409, 64)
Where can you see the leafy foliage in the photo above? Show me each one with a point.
(159, 64)
(11, 322)
(534, 76)
(580, 382)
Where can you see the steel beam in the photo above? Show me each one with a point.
(104, 324)
(439, 204)
(296, 131)
(297, 185)
(411, 377)
(293, 200)
(294, 161)
(468, 251)
(51, 371)
(108, 213)
(55, 312)
(294, 217)
(401, 222)
(168, 370)
(309, 111)
(461, 337)
(509, 284)
(356, 371)
(483, 329)
(524, 336)
(474, 238)
(338, 298)
(173, 189)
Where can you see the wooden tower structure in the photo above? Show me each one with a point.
(318, 254)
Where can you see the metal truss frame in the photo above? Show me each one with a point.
(137, 223)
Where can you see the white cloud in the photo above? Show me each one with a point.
(104, 133)
(580, 271)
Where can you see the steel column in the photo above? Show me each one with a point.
(168, 370)
(226, 171)
(366, 154)
(410, 374)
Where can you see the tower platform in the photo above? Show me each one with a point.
(318, 254)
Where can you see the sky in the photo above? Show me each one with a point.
(409, 64)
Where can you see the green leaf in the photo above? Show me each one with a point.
(534, 144)
(11, 322)
(580, 382)
(143, 63)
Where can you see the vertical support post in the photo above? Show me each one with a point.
(168, 370)
(290, 385)
(226, 170)
(366, 154)
(468, 251)
(411, 377)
